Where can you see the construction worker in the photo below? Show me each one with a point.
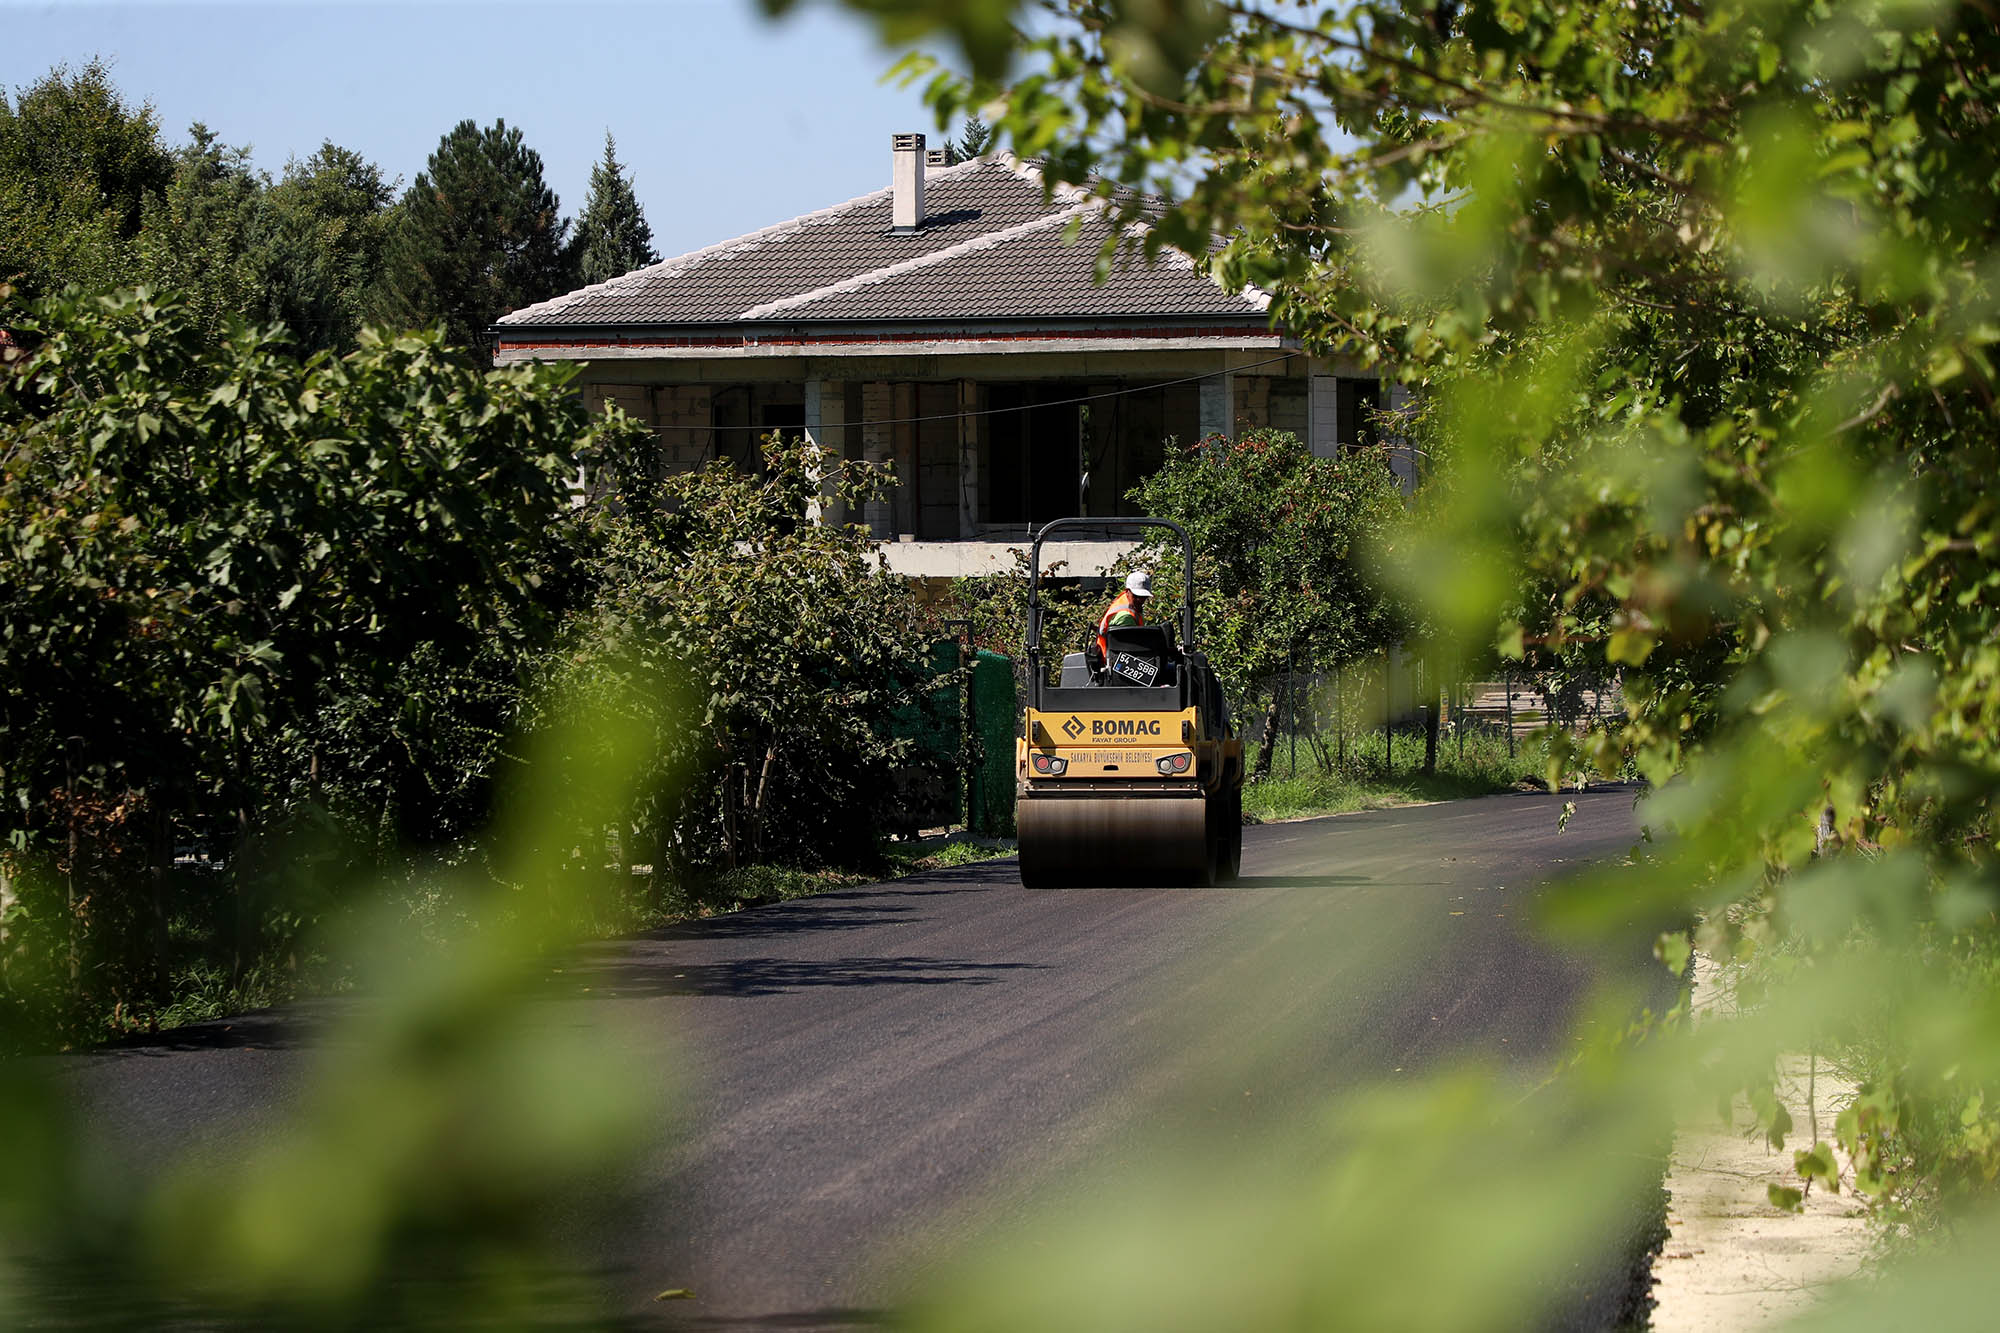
(1127, 608)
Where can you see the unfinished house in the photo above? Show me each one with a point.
(952, 324)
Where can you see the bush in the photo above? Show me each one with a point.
(1281, 540)
(765, 658)
(246, 594)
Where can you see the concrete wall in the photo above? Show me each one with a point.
(684, 416)
(1253, 404)
(937, 461)
(878, 446)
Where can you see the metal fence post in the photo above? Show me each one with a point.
(1458, 710)
(72, 748)
(1339, 717)
(1388, 713)
(1292, 700)
(1507, 683)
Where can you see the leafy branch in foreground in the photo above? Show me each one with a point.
(1699, 306)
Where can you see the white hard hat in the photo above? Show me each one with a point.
(1139, 583)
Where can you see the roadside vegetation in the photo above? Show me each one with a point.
(280, 626)
(1365, 779)
(756, 885)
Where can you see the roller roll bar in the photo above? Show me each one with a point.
(1098, 525)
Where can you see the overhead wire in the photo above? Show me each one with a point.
(998, 411)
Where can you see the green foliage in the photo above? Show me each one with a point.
(237, 587)
(974, 139)
(1281, 538)
(319, 247)
(612, 237)
(89, 195)
(477, 234)
(789, 649)
(197, 238)
(1701, 304)
(78, 169)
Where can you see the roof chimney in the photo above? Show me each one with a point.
(937, 158)
(907, 212)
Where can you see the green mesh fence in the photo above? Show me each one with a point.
(990, 792)
(960, 769)
(929, 783)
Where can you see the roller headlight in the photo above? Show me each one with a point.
(1048, 764)
(1175, 763)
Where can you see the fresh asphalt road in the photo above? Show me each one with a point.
(849, 1071)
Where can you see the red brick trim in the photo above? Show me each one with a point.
(505, 344)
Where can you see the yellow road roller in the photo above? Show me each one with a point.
(1127, 770)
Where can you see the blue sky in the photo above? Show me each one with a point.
(727, 121)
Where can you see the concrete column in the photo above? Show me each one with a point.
(826, 431)
(878, 445)
(1218, 404)
(969, 427)
(1323, 416)
(1402, 456)
(908, 517)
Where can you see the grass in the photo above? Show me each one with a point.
(648, 908)
(944, 853)
(750, 886)
(1363, 778)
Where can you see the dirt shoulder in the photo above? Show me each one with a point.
(1732, 1261)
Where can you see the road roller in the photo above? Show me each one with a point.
(1127, 770)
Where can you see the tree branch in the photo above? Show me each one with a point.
(1471, 92)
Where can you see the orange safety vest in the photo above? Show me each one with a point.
(1124, 601)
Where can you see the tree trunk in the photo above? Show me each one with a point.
(756, 838)
(726, 789)
(159, 866)
(1269, 743)
(1436, 716)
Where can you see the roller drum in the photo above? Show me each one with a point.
(1116, 840)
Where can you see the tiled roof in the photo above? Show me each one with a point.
(989, 248)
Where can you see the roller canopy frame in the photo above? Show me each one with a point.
(1057, 525)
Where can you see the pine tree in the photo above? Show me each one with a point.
(973, 140)
(612, 237)
(477, 234)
